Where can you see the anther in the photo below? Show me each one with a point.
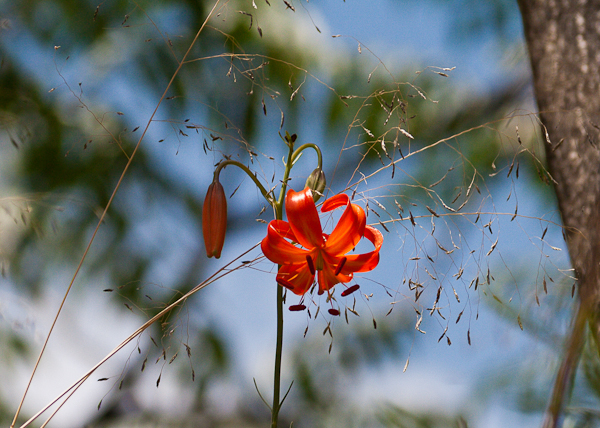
(340, 266)
(285, 283)
(310, 264)
(350, 290)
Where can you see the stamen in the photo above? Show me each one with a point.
(285, 283)
(311, 266)
(340, 266)
(295, 308)
(319, 261)
(350, 290)
(334, 312)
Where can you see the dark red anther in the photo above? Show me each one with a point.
(334, 312)
(350, 290)
(311, 265)
(285, 283)
(340, 266)
(295, 308)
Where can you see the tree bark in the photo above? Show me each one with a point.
(563, 38)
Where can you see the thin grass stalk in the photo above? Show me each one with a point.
(101, 220)
(214, 277)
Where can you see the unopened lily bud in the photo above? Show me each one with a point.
(316, 183)
(214, 219)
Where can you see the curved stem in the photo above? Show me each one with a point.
(279, 346)
(316, 148)
(286, 177)
(278, 206)
(250, 174)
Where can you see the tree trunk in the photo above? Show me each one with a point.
(563, 37)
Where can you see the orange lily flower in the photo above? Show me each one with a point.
(214, 219)
(322, 255)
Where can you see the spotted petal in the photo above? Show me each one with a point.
(327, 279)
(297, 277)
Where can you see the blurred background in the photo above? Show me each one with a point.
(424, 112)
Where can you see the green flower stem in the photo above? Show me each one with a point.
(278, 351)
(250, 174)
(279, 346)
(299, 150)
(286, 176)
(278, 206)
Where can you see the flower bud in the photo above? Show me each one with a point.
(316, 183)
(214, 219)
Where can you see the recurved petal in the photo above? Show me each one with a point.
(275, 247)
(339, 200)
(284, 229)
(367, 261)
(303, 218)
(350, 227)
(298, 276)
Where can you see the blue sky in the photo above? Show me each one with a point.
(403, 35)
